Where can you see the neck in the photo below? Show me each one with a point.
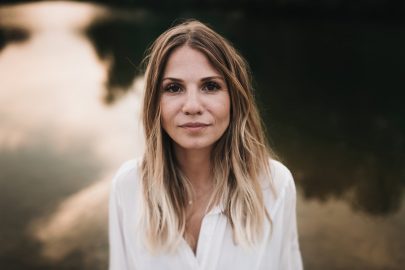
(196, 165)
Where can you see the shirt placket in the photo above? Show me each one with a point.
(205, 239)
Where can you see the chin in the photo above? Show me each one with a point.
(194, 145)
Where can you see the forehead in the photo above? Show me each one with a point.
(189, 62)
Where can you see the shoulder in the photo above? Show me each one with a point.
(278, 178)
(281, 176)
(127, 176)
(280, 189)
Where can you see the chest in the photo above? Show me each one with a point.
(215, 250)
(194, 218)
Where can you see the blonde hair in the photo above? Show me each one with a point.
(240, 158)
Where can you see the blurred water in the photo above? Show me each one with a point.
(59, 143)
(69, 115)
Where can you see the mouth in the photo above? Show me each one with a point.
(194, 126)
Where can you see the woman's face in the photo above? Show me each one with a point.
(195, 103)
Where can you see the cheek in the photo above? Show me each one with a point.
(220, 109)
(224, 115)
(225, 110)
(168, 109)
(163, 114)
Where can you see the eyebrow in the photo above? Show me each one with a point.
(203, 79)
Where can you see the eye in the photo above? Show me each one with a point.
(172, 88)
(211, 86)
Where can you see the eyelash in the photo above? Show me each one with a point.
(169, 88)
(212, 84)
(206, 86)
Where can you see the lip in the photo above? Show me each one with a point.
(194, 125)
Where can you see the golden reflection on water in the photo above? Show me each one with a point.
(332, 233)
(53, 84)
(48, 16)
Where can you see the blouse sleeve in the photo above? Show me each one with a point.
(117, 253)
(292, 259)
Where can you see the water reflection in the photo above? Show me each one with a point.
(60, 144)
(333, 236)
(121, 39)
(35, 178)
(12, 35)
(367, 181)
(81, 214)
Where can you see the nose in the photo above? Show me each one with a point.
(192, 104)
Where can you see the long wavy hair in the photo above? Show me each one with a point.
(239, 159)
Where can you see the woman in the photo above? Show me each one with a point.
(207, 193)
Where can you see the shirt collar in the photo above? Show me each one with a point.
(216, 209)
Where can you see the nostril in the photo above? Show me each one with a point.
(192, 106)
(192, 111)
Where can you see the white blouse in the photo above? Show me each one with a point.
(279, 248)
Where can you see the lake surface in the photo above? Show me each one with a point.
(70, 91)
